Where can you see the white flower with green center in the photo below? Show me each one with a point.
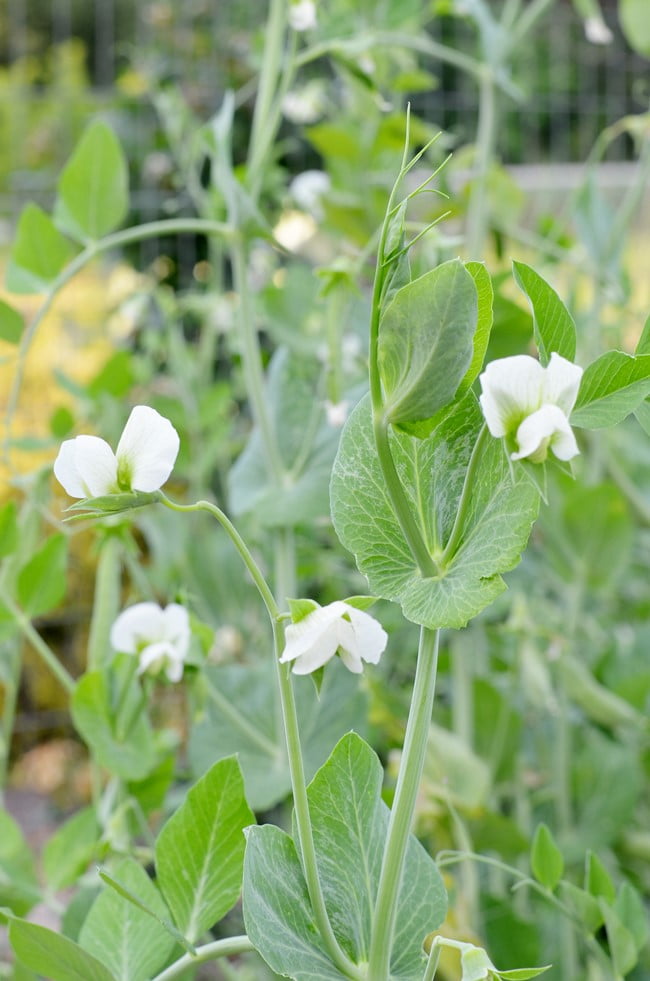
(338, 627)
(159, 638)
(530, 405)
(302, 15)
(87, 467)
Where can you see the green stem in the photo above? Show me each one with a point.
(270, 72)
(433, 961)
(290, 719)
(529, 17)
(46, 654)
(228, 947)
(106, 602)
(464, 503)
(10, 655)
(401, 815)
(252, 364)
(485, 144)
(153, 229)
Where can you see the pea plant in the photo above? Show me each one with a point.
(437, 462)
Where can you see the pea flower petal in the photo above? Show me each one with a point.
(87, 467)
(530, 405)
(302, 15)
(160, 638)
(316, 638)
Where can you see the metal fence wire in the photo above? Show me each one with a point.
(65, 60)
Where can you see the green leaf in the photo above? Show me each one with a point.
(633, 15)
(129, 941)
(306, 446)
(494, 531)
(109, 711)
(200, 851)
(11, 323)
(350, 823)
(8, 528)
(425, 342)
(136, 901)
(38, 254)
(113, 503)
(41, 582)
(53, 955)
(70, 849)
(612, 386)
(485, 297)
(598, 881)
(643, 345)
(630, 909)
(553, 325)
(622, 946)
(546, 859)
(523, 973)
(241, 715)
(18, 883)
(585, 905)
(301, 608)
(93, 196)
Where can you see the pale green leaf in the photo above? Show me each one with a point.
(494, 532)
(41, 582)
(425, 342)
(38, 254)
(546, 859)
(241, 715)
(11, 323)
(598, 881)
(129, 941)
(93, 196)
(553, 325)
(350, 823)
(18, 882)
(612, 386)
(54, 956)
(633, 15)
(8, 528)
(622, 946)
(70, 849)
(200, 850)
(523, 973)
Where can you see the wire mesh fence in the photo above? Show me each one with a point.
(62, 62)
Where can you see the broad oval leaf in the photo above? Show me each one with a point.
(553, 325)
(125, 938)
(350, 823)
(41, 581)
(38, 254)
(546, 859)
(54, 956)
(426, 342)
(612, 386)
(497, 524)
(200, 851)
(93, 196)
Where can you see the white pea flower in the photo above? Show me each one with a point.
(87, 467)
(305, 104)
(336, 413)
(597, 31)
(159, 638)
(314, 640)
(530, 405)
(302, 15)
(308, 188)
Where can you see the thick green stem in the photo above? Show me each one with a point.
(106, 602)
(268, 83)
(401, 815)
(208, 952)
(252, 364)
(485, 143)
